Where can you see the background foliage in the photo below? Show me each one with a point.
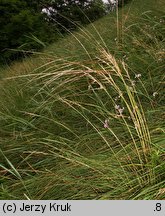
(24, 27)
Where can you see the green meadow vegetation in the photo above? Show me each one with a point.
(84, 119)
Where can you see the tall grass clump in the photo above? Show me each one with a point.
(88, 127)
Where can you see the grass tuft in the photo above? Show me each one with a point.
(84, 119)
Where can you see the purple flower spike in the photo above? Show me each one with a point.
(106, 123)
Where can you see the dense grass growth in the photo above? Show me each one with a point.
(85, 119)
